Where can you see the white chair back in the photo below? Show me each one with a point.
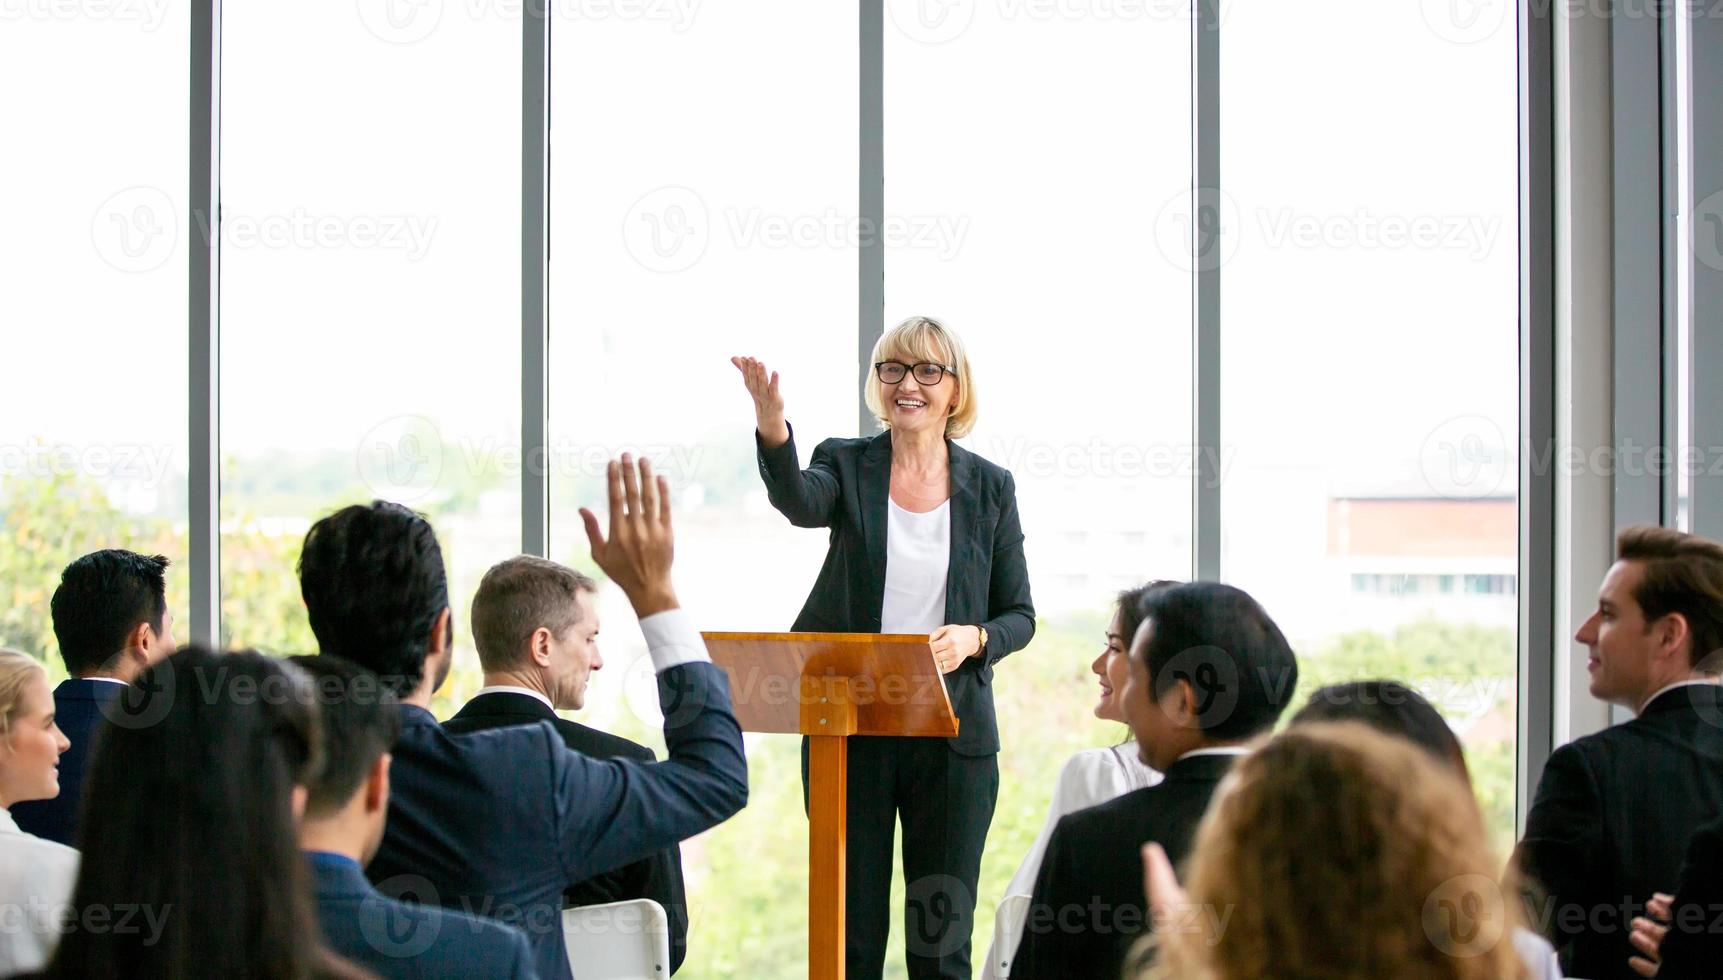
(618, 941)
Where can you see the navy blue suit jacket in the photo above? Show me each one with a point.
(78, 712)
(499, 822)
(403, 941)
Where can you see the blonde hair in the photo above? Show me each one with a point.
(1337, 852)
(16, 670)
(918, 339)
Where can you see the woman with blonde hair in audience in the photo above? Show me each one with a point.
(36, 875)
(1091, 776)
(1337, 852)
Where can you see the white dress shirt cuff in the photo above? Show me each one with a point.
(672, 640)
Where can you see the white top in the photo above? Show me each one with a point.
(1537, 954)
(917, 554)
(1090, 777)
(36, 879)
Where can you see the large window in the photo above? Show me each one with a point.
(93, 299)
(1369, 325)
(370, 291)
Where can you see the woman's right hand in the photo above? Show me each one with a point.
(768, 401)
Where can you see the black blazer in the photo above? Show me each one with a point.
(846, 488)
(1611, 821)
(78, 711)
(1088, 906)
(1693, 949)
(658, 877)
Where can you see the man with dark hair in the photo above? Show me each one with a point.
(1614, 810)
(501, 822)
(1209, 671)
(112, 621)
(1392, 708)
(346, 804)
(536, 629)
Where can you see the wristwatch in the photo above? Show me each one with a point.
(983, 630)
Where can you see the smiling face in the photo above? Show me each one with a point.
(1113, 667)
(911, 406)
(1631, 659)
(29, 761)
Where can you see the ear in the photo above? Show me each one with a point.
(142, 637)
(1673, 636)
(377, 785)
(440, 638)
(1186, 704)
(538, 646)
(300, 793)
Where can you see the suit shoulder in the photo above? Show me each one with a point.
(601, 744)
(1123, 811)
(842, 446)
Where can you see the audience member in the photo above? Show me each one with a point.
(112, 622)
(501, 822)
(536, 629)
(1614, 810)
(1093, 775)
(345, 806)
(36, 875)
(1335, 852)
(1209, 671)
(194, 793)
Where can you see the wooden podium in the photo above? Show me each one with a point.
(829, 686)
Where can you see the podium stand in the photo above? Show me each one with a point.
(829, 686)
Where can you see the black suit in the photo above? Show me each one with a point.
(1611, 821)
(658, 877)
(1088, 906)
(78, 706)
(943, 794)
(1693, 949)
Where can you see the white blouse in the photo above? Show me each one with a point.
(36, 879)
(1090, 777)
(917, 554)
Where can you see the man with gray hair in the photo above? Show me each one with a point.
(536, 628)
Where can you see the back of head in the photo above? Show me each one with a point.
(1682, 573)
(1342, 853)
(374, 586)
(188, 811)
(102, 598)
(516, 598)
(1217, 638)
(1389, 707)
(359, 724)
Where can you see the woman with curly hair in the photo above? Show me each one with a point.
(1337, 852)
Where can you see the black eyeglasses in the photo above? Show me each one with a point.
(892, 372)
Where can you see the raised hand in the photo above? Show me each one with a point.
(641, 547)
(768, 401)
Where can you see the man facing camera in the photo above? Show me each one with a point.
(1209, 671)
(112, 621)
(1614, 810)
(500, 822)
(346, 804)
(537, 632)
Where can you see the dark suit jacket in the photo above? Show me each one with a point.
(846, 488)
(498, 823)
(1693, 949)
(78, 712)
(1610, 823)
(404, 941)
(1088, 906)
(658, 877)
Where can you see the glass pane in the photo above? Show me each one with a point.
(1370, 351)
(93, 298)
(1038, 160)
(703, 195)
(370, 293)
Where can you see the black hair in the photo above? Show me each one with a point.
(360, 723)
(1222, 642)
(102, 598)
(1129, 605)
(373, 581)
(1390, 707)
(188, 811)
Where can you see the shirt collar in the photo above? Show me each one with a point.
(1233, 750)
(7, 824)
(104, 680)
(511, 689)
(329, 859)
(1712, 682)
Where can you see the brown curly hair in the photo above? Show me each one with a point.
(1337, 852)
